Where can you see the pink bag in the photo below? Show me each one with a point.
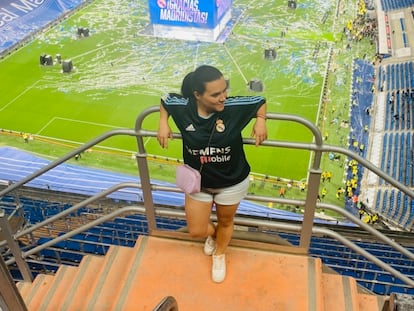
(188, 179)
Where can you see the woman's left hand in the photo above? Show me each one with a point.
(259, 131)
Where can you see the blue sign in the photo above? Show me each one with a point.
(19, 18)
(188, 13)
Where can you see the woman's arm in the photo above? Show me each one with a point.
(259, 127)
(164, 130)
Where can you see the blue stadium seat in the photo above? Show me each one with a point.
(380, 288)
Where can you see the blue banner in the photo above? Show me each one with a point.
(188, 13)
(20, 18)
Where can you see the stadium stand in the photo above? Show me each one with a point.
(397, 130)
(124, 231)
(345, 261)
(391, 5)
(360, 120)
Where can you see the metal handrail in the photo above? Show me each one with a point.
(286, 144)
(314, 177)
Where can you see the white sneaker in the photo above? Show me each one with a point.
(209, 246)
(218, 272)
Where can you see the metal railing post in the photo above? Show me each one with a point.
(141, 157)
(310, 207)
(312, 194)
(10, 298)
(14, 247)
(314, 176)
(146, 188)
(169, 303)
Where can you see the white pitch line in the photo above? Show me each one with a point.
(147, 141)
(46, 125)
(125, 57)
(20, 95)
(159, 61)
(235, 63)
(99, 48)
(75, 121)
(94, 50)
(88, 122)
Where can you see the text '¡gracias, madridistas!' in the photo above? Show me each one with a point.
(183, 11)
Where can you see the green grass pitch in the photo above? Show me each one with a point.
(120, 70)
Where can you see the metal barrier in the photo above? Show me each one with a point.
(169, 303)
(10, 298)
(314, 177)
(310, 203)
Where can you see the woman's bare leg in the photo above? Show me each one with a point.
(225, 226)
(198, 218)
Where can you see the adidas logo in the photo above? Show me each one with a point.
(190, 128)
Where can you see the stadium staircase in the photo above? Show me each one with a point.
(261, 276)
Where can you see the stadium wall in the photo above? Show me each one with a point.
(21, 20)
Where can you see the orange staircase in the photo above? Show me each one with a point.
(259, 277)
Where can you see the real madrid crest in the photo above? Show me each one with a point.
(220, 127)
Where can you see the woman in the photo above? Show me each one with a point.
(211, 124)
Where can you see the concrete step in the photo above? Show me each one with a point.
(339, 291)
(369, 302)
(64, 279)
(258, 278)
(40, 287)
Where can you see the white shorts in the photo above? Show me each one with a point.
(223, 196)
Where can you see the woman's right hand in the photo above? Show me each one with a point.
(164, 133)
(164, 130)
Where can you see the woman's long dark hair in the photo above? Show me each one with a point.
(196, 81)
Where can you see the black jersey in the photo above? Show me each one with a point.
(214, 144)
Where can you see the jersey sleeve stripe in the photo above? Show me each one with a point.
(244, 100)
